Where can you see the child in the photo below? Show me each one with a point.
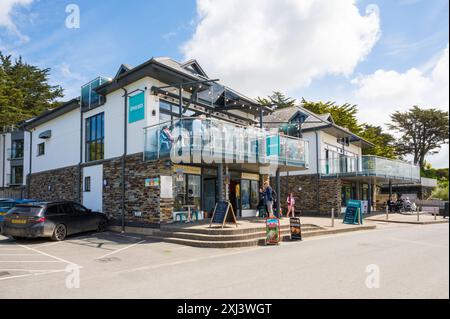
(291, 205)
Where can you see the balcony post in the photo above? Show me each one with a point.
(390, 189)
(278, 178)
(220, 182)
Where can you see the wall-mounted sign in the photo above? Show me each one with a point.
(187, 169)
(152, 182)
(136, 108)
(273, 145)
(166, 187)
(252, 177)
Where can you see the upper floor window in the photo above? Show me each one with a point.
(17, 149)
(95, 138)
(170, 112)
(41, 149)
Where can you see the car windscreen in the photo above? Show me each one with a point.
(26, 210)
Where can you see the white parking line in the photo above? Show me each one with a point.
(51, 256)
(31, 261)
(122, 249)
(20, 255)
(33, 274)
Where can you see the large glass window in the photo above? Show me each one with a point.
(187, 191)
(170, 112)
(249, 194)
(95, 138)
(16, 175)
(245, 194)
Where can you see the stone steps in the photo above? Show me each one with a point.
(223, 238)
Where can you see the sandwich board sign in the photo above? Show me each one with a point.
(222, 210)
(296, 228)
(273, 235)
(353, 212)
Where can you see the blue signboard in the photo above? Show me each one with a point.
(273, 145)
(354, 208)
(136, 109)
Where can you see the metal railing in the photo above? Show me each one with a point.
(370, 165)
(201, 140)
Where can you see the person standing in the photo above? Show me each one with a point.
(291, 205)
(268, 191)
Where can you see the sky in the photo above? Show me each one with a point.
(383, 55)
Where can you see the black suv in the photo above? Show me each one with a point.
(54, 220)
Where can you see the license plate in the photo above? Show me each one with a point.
(19, 221)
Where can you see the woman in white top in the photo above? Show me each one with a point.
(291, 205)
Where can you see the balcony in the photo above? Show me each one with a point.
(369, 165)
(212, 141)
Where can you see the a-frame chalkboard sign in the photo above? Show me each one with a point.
(221, 212)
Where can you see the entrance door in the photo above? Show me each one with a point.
(235, 197)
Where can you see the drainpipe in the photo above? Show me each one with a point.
(125, 137)
(278, 177)
(4, 160)
(30, 163)
(318, 172)
(81, 156)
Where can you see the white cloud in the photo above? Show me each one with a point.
(385, 91)
(258, 46)
(6, 10)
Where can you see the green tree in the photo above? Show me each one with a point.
(343, 115)
(384, 142)
(24, 91)
(278, 99)
(423, 131)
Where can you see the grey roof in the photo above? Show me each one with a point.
(51, 114)
(312, 122)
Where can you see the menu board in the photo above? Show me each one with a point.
(351, 215)
(221, 211)
(272, 231)
(296, 228)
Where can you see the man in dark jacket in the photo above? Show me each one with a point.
(268, 191)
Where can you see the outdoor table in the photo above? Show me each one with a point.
(189, 207)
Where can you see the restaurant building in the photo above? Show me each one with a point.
(339, 170)
(156, 139)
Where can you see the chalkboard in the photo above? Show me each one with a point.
(296, 228)
(221, 211)
(351, 215)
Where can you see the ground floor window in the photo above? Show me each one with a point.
(249, 194)
(187, 191)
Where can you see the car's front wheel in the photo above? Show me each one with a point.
(60, 233)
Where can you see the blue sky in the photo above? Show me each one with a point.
(385, 55)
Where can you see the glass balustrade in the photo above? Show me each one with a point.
(196, 140)
(369, 165)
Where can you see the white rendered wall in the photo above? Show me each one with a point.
(93, 199)
(62, 149)
(4, 157)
